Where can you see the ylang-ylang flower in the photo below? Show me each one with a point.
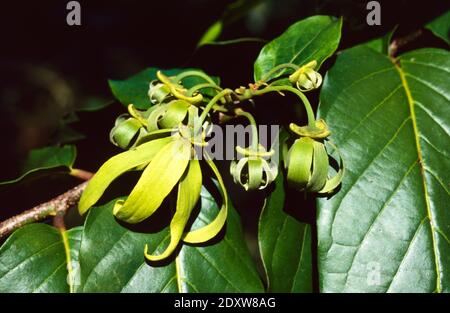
(161, 143)
(307, 161)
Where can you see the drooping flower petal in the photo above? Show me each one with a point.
(115, 167)
(123, 133)
(188, 194)
(156, 113)
(175, 114)
(158, 92)
(299, 162)
(253, 171)
(209, 231)
(319, 168)
(156, 182)
(308, 166)
(236, 169)
(332, 183)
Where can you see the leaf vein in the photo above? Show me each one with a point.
(394, 136)
(377, 216)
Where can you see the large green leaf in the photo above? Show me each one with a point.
(35, 259)
(112, 258)
(388, 228)
(285, 245)
(314, 38)
(441, 26)
(134, 90)
(45, 161)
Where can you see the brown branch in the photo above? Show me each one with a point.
(397, 43)
(56, 207)
(81, 174)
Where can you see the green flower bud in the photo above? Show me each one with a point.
(253, 171)
(306, 78)
(127, 128)
(307, 161)
(158, 92)
(175, 113)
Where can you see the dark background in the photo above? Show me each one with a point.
(48, 69)
(120, 38)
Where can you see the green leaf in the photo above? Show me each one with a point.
(93, 104)
(314, 38)
(236, 41)
(134, 90)
(285, 245)
(441, 26)
(116, 263)
(66, 134)
(381, 44)
(45, 161)
(388, 228)
(211, 34)
(35, 259)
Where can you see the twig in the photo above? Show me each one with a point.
(81, 174)
(56, 207)
(402, 41)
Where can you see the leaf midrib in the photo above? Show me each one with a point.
(422, 169)
(66, 245)
(311, 40)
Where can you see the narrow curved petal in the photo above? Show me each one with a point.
(115, 167)
(335, 181)
(209, 231)
(299, 162)
(123, 133)
(320, 168)
(175, 114)
(238, 171)
(156, 182)
(255, 173)
(188, 194)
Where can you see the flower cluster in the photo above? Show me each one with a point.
(161, 142)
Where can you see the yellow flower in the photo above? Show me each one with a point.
(253, 171)
(306, 78)
(167, 163)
